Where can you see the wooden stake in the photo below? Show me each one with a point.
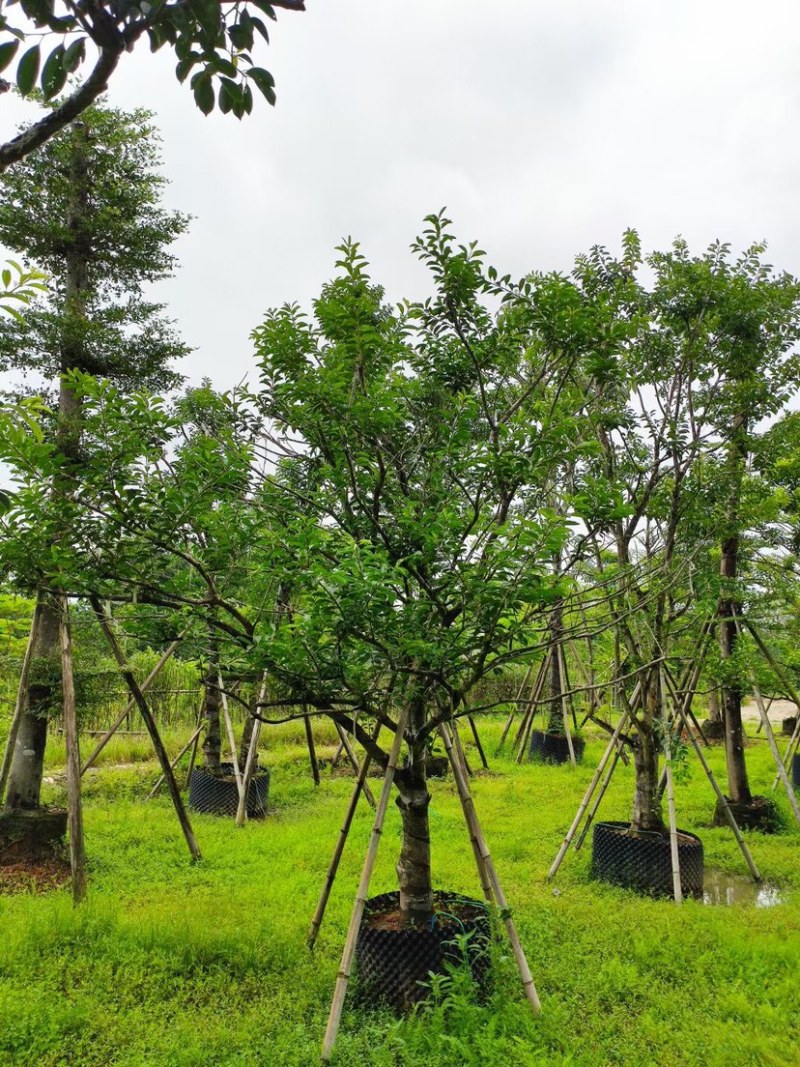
(250, 762)
(21, 702)
(150, 723)
(587, 796)
(348, 749)
(527, 724)
(514, 710)
(673, 826)
(226, 714)
(131, 704)
(176, 761)
(312, 754)
(333, 867)
(77, 853)
(598, 798)
(795, 738)
(195, 743)
(348, 955)
(483, 874)
(477, 740)
(565, 702)
(474, 827)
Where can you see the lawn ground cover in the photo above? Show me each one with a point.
(170, 963)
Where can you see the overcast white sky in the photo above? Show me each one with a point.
(544, 127)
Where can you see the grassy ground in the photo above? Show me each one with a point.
(170, 963)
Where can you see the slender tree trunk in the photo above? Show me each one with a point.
(730, 691)
(414, 864)
(646, 813)
(212, 703)
(555, 713)
(25, 779)
(714, 710)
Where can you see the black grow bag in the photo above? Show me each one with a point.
(796, 770)
(219, 796)
(394, 965)
(554, 748)
(643, 862)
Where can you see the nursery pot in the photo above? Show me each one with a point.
(219, 796)
(31, 835)
(788, 725)
(796, 770)
(436, 766)
(554, 748)
(761, 814)
(642, 860)
(394, 962)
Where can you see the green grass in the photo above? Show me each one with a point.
(170, 963)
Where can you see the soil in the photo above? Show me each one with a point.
(34, 876)
(649, 834)
(455, 915)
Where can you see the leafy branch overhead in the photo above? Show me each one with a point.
(213, 41)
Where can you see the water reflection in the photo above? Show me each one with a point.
(721, 888)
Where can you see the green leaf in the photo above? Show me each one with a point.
(264, 81)
(54, 76)
(7, 52)
(28, 70)
(204, 94)
(75, 55)
(230, 97)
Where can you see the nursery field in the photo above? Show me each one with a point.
(169, 963)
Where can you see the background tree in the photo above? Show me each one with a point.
(86, 209)
(212, 38)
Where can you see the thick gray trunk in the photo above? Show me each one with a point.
(414, 864)
(646, 813)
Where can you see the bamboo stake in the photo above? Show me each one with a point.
(483, 874)
(514, 709)
(312, 754)
(773, 744)
(789, 689)
(226, 714)
(565, 703)
(587, 796)
(150, 723)
(131, 704)
(526, 709)
(250, 762)
(532, 709)
(176, 761)
(351, 756)
(462, 755)
(193, 757)
(471, 817)
(737, 833)
(477, 740)
(21, 702)
(673, 826)
(77, 853)
(333, 867)
(346, 966)
(598, 798)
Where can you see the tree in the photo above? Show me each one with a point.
(86, 208)
(212, 37)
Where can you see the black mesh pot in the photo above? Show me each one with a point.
(796, 770)
(554, 748)
(643, 862)
(437, 766)
(788, 725)
(394, 964)
(763, 814)
(219, 796)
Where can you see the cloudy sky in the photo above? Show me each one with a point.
(544, 127)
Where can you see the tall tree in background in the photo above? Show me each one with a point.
(87, 210)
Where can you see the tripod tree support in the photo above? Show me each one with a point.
(150, 723)
(348, 955)
(77, 852)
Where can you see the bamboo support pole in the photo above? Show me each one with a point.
(773, 744)
(195, 744)
(312, 753)
(462, 755)
(737, 833)
(526, 710)
(150, 723)
(515, 707)
(333, 867)
(176, 761)
(226, 714)
(483, 874)
(21, 702)
(601, 792)
(565, 702)
(101, 744)
(477, 740)
(250, 762)
(795, 738)
(473, 824)
(587, 796)
(527, 725)
(673, 825)
(353, 760)
(348, 955)
(77, 852)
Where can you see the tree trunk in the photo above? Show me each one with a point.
(27, 768)
(730, 691)
(212, 739)
(714, 711)
(646, 801)
(27, 765)
(555, 711)
(414, 865)
(247, 733)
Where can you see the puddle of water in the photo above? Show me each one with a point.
(721, 888)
